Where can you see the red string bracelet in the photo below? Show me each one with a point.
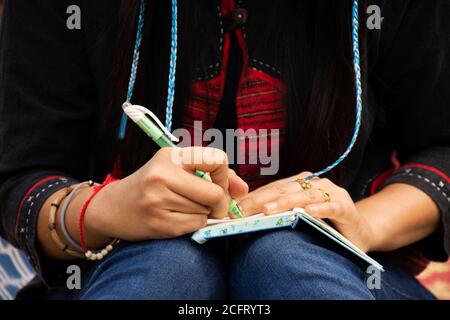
(109, 179)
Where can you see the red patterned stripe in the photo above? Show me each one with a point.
(259, 105)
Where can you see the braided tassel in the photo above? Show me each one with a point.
(359, 103)
(134, 67)
(173, 66)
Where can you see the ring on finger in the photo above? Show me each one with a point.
(304, 184)
(326, 196)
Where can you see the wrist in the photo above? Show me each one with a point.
(95, 235)
(376, 230)
(103, 213)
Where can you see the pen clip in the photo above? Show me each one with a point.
(136, 112)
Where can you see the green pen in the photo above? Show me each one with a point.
(164, 139)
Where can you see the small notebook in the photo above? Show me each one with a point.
(290, 219)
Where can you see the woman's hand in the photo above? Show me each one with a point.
(164, 199)
(287, 194)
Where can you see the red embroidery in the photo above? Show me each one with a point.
(396, 166)
(381, 179)
(258, 106)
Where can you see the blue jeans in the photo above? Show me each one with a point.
(272, 265)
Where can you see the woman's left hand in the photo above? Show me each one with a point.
(287, 194)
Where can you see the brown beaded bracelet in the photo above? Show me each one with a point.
(52, 225)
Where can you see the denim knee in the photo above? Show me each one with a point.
(295, 265)
(159, 269)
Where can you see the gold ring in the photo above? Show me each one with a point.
(305, 184)
(326, 196)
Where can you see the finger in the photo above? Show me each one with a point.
(292, 180)
(238, 188)
(255, 201)
(176, 202)
(335, 211)
(200, 191)
(293, 200)
(211, 160)
(215, 162)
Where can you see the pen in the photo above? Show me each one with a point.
(164, 139)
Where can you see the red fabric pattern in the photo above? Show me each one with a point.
(385, 175)
(258, 106)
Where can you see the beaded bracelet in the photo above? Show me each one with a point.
(89, 254)
(64, 210)
(52, 225)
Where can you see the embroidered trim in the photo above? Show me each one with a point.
(27, 194)
(222, 30)
(266, 65)
(382, 177)
(243, 28)
(31, 200)
(366, 185)
(214, 67)
(426, 180)
(429, 168)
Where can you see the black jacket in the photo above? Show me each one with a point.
(53, 80)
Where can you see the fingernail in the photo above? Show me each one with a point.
(271, 206)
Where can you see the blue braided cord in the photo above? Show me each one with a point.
(134, 67)
(172, 71)
(173, 66)
(172, 77)
(359, 104)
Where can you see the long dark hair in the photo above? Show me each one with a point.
(312, 44)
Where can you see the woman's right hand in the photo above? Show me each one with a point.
(164, 199)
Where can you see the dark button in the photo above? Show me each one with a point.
(235, 19)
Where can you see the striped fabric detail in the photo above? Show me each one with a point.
(15, 271)
(259, 107)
